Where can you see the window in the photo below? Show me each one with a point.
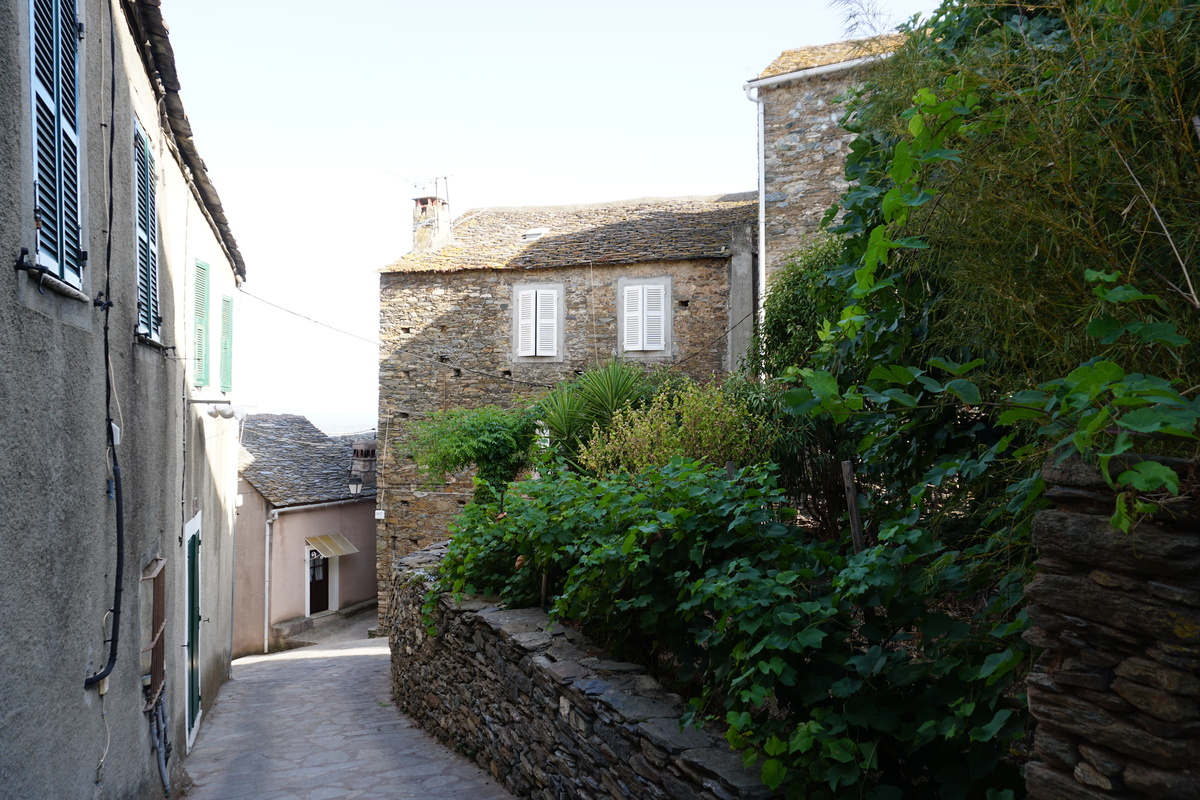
(146, 224)
(538, 321)
(644, 320)
(226, 343)
(200, 326)
(56, 138)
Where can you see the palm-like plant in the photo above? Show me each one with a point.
(572, 411)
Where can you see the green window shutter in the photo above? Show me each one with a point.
(200, 334)
(226, 344)
(146, 224)
(56, 137)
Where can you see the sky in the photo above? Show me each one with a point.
(315, 120)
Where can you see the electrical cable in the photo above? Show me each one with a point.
(453, 365)
(714, 341)
(105, 305)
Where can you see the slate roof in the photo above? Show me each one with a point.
(291, 462)
(823, 55)
(154, 44)
(626, 232)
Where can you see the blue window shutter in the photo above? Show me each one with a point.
(226, 344)
(146, 224)
(200, 327)
(56, 137)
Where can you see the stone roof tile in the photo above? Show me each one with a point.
(627, 232)
(291, 462)
(823, 55)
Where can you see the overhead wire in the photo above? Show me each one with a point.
(451, 365)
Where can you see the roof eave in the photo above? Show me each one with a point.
(158, 57)
(812, 72)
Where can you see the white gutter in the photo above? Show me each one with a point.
(812, 72)
(308, 506)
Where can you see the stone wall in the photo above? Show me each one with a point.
(446, 342)
(544, 710)
(1116, 690)
(805, 158)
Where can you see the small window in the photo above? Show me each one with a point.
(200, 326)
(645, 319)
(149, 321)
(537, 324)
(533, 234)
(155, 642)
(226, 343)
(56, 138)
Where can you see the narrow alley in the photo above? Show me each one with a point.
(318, 723)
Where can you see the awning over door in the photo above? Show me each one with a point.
(331, 544)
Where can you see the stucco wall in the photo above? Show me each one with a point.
(249, 599)
(289, 556)
(805, 155)
(58, 529)
(446, 341)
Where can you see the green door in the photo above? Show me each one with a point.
(193, 631)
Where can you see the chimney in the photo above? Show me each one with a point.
(431, 223)
(363, 465)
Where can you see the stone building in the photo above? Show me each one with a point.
(118, 443)
(504, 303)
(305, 529)
(802, 147)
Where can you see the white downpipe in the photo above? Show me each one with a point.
(267, 582)
(760, 300)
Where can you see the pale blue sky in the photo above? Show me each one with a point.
(313, 118)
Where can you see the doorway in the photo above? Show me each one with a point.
(192, 644)
(318, 582)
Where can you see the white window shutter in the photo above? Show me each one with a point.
(547, 322)
(654, 303)
(632, 311)
(526, 301)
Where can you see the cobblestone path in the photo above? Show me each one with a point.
(318, 723)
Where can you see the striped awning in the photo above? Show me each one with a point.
(331, 544)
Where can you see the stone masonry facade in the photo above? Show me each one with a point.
(1116, 689)
(542, 709)
(446, 342)
(804, 158)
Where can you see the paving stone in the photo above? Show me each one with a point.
(318, 723)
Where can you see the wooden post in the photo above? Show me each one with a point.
(856, 531)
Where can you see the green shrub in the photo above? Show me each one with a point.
(497, 442)
(799, 299)
(573, 410)
(843, 676)
(691, 421)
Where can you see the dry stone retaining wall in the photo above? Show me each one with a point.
(1116, 691)
(542, 709)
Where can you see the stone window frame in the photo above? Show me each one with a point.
(559, 315)
(668, 350)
